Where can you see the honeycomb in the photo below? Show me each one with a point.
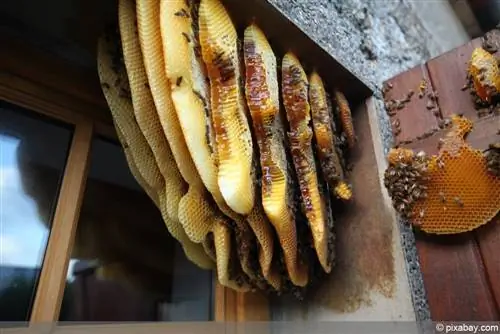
(344, 112)
(197, 111)
(322, 119)
(295, 100)
(457, 192)
(190, 93)
(145, 110)
(148, 23)
(262, 93)
(485, 74)
(219, 47)
(112, 70)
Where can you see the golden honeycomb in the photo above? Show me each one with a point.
(460, 193)
(219, 47)
(322, 119)
(112, 70)
(262, 93)
(345, 116)
(485, 74)
(198, 112)
(296, 102)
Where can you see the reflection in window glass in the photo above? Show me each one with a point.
(125, 266)
(33, 154)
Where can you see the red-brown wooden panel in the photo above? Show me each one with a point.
(489, 245)
(454, 277)
(482, 135)
(414, 118)
(454, 280)
(448, 75)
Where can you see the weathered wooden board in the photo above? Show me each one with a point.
(411, 124)
(459, 271)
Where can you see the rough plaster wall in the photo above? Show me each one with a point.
(376, 40)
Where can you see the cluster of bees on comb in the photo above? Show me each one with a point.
(483, 81)
(455, 191)
(244, 157)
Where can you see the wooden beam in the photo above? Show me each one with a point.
(220, 302)
(51, 286)
(50, 71)
(45, 84)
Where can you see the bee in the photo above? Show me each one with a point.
(458, 201)
(422, 87)
(440, 143)
(440, 164)
(442, 197)
(105, 85)
(421, 214)
(124, 93)
(182, 13)
(186, 37)
(178, 81)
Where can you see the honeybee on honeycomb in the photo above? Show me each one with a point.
(484, 75)
(461, 191)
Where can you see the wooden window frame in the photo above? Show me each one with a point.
(38, 81)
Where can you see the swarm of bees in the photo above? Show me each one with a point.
(245, 185)
(493, 158)
(405, 180)
(455, 191)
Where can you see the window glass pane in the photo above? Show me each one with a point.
(125, 266)
(33, 154)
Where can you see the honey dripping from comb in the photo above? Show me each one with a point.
(262, 93)
(295, 100)
(325, 138)
(218, 40)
